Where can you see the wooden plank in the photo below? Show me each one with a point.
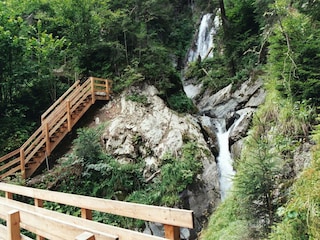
(172, 232)
(22, 163)
(92, 90)
(8, 195)
(32, 138)
(68, 115)
(58, 125)
(38, 202)
(4, 232)
(86, 213)
(9, 155)
(88, 225)
(47, 137)
(13, 225)
(85, 236)
(164, 215)
(10, 172)
(49, 226)
(30, 155)
(9, 164)
(53, 106)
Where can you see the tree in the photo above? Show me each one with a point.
(294, 54)
(258, 176)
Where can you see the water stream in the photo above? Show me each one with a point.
(225, 161)
(202, 49)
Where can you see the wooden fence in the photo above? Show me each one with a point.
(56, 123)
(53, 225)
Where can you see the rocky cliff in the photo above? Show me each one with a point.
(148, 130)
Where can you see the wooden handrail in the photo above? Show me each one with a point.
(171, 218)
(45, 223)
(164, 215)
(63, 111)
(63, 97)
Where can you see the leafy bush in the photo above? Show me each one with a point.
(227, 223)
(181, 103)
(140, 98)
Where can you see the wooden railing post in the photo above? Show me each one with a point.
(86, 213)
(47, 137)
(39, 203)
(13, 225)
(172, 232)
(9, 195)
(69, 116)
(107, 90)
(22, 163)
(93, 94)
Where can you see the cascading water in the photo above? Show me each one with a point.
(204, 40)
(202, 48)
(224, 159)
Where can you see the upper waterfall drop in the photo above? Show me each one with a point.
(204, 43)
(202, 48)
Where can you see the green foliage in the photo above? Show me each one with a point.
(139, 98)
(294, 55)
(128, 41)
(177, 174)
(226, 223)
(87, 146)
(181, 103)
(300, 216)
(89, 171)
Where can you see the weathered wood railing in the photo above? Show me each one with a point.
(35, 218)
(56, 122)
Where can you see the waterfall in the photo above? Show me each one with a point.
(202, 48)
(224, 159)
(204, 43)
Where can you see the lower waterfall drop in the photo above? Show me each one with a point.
(225, 161)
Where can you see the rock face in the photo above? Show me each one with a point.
(150, 129)
(229, 106)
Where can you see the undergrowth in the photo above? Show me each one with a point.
(90, 171)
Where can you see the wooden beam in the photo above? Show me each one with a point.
(107, 90)
(53, 225)
(164, 215)
(22, 163)
(47, 137)
(93, 95)
(85, 236)
(172, 232)
(38, 202)
(86, 213)
(68, 116)
(13, 225)
(9, 195)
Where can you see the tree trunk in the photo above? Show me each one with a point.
(223, 15)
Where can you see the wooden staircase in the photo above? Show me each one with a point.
(56, 123)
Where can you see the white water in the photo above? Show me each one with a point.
(203, 48)
(225, 160)
(207, 30)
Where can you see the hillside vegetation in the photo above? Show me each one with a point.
(46, 45)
